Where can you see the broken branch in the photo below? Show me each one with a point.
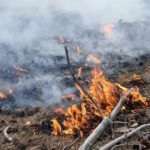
(104, 124)
(124, 137)
(79, 84)
(6, 134)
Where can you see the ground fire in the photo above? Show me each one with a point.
(77, 118)
(74, 75)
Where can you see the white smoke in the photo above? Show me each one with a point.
(29, 29)
(23, 22)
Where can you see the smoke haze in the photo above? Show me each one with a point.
(29, 30)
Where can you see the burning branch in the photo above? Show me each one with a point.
(124, 137)
(104, 124)
(6, 134)
(79, 84)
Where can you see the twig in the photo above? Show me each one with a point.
(104, 124)
(124, 144)
(79, 84)
(119, 122)
(124, 137)
(69, 145)
(6, 134)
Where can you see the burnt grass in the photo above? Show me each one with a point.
(38, 136)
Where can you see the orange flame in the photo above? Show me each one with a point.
(107, 95)
(92, 58)
(3, 96)
(78, 50)
(56, 127)
(59, 111)
(108, 28)
(135, 78)
(69, 96)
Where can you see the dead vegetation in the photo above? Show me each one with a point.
(31, 128)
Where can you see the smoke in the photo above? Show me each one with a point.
(29, 30)
(24, 22)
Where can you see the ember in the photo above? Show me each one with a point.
(2, 95)
(79, 73)
(78, 50)
(107, 29)
(93, 58)
(69, 96)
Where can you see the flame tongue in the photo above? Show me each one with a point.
(92, 58)
(56, 127)
(107, 29)
(107, 95)
(3, 96)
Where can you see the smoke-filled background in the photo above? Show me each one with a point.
(29, 31)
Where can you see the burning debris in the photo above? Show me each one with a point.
(89, 97)
(78, 120)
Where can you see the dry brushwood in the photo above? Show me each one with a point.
(104, 124)
(124, 137)
(6, 134)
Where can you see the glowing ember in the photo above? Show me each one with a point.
(108, 28)
(56, 127)
(137, 97)
(107, 95)
(59, 111)
(3, 96)
(135, 78)
(78, 50)
(28, 123)
(69, 96)
(92, 58)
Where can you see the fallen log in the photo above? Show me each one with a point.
(104, 124)
(124, 137)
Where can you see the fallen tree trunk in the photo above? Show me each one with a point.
(123, 137)
(104, 124)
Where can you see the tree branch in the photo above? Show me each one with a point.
(104, 124)
(6, 134)
(79, 84)
(124, 137)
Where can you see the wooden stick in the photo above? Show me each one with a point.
(125, 144)
(119, 105)
(104, 124)
(79, 84)
(69, 145)
(6, 134)
(124, 137)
